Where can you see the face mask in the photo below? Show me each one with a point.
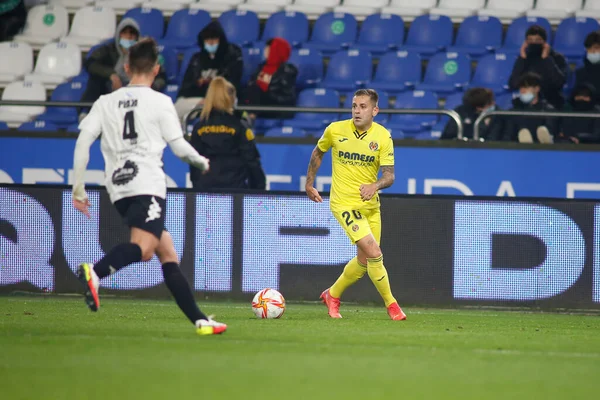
(211, 48)
(526, 97)
(126, 43)
(535, 50)
(594, 58)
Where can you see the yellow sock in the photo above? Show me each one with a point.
(353, 271)
(379, 277)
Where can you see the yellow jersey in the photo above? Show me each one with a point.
(356, 158)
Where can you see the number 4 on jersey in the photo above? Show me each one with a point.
(129, 126)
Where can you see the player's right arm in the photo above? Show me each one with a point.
(323, 145)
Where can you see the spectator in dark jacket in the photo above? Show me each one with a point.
(476, 101)
(226, 142)
(274, 82)
(590, 72)
(217, 57)
(530, 99)
(576, 129)
(106, 64)
(12, 18)
(536, 56)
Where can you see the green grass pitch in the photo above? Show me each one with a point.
(54, 348)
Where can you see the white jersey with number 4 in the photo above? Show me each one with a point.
(136, 123)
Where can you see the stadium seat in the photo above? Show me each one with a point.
(241, 26)
(591, 9)
(313, 8)
(571, 34)
(310, 67)
(72, 5)
(332, 32)
(457, 9)
(264, 8)
(429, 34)
(554, 10)
(185, 62)
(150, 20)
(56, 63)
(397, 71)
(348, 70)
(286, 131)
(504, 101)
(313, 122)
(515, 34)
(215, 7)
(478, 35)
(384, 102)
(168, 7)
(3, 126)
(452, 101)
(45, 23)
(184, 27)
(63, 116)
(446, 73)
(264, 124)
(168, 60)
(380, 33)
(38, 126)
(252, 57)
(91, 25)
(21, 61)
(359, 8)
(493, 72)
(171, 91)
(73, 128)
(413, 123)
(290, 25)
(22, 90)
(120, 6)
(506, 10)
(409, 9)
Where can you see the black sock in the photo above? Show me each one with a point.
(120, 256)
(180, 289)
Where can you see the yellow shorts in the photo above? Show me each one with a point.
(359, 223)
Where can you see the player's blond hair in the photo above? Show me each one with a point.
(219, 96)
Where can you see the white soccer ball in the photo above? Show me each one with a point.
(268, 303)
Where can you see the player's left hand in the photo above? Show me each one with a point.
(367, 191)
(82, 206)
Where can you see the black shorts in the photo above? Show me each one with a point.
(144, 212)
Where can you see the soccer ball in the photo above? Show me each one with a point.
(268, 303)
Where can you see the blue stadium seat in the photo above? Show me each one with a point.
(504, 101)
(384, 102)
(446, 73)
(413, 123)
(322, 98)
(310, 67)
(571, 34)
(168, 60)
(429, 34)
(63, 116)
(150, 20)
(478, 35)
(264, 124)
(493, 71)
(348, 70)
(286, 131)
(452, 101)
(379, 33)
(41, 126)
(332, 32)
(183, 28)
(252, 57)
(241, 27)
(290, 25)
(3, 126)
(171, 91)
(73, 128)
(185, 62)
(515, 34)
(397, 71)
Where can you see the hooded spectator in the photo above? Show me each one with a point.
(577, 129)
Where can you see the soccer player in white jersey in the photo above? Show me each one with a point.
(136, 124)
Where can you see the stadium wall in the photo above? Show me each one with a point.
(439, 250)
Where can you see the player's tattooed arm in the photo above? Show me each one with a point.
(387, 177)
(313, 166)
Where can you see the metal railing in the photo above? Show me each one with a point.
(528, 114)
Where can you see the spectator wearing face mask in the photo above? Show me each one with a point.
(106, 64)
(581, 130)
(590, 72)
(475, 101)
(538, 57)
(217, 57)
(274, 82)
(530, 99)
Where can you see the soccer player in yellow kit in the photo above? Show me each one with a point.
(360, 147)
